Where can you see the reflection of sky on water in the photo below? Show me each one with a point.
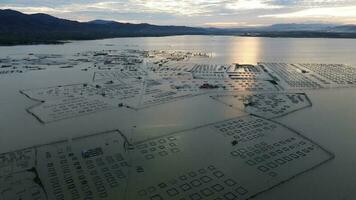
(246, 50)
(226, 49)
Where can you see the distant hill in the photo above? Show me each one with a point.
(344, 28)
(99, 21)
(298, 31)
(19, 28)
(311, 27)
(299, 27)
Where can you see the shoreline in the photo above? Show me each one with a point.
(315, 35)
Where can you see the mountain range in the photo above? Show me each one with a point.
(19, 28)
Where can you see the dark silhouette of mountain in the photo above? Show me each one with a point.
(100, 21)
(344, 28)
(20, 28)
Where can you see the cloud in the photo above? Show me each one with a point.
(229, 24)
(174, 7)
(335, 12)
(31, 9)
(225, 24)
(193, 12)
(106, 6)
(183, 7)
(252, 5)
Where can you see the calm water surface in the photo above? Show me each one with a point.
(330, 121)
(226, 49)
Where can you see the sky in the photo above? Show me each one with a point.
(205, 13)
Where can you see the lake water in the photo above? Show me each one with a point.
(226, 49)
(330, 121)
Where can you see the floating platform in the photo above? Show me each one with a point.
(199, 163)
(238, 152)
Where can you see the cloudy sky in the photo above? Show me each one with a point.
(215, 13)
